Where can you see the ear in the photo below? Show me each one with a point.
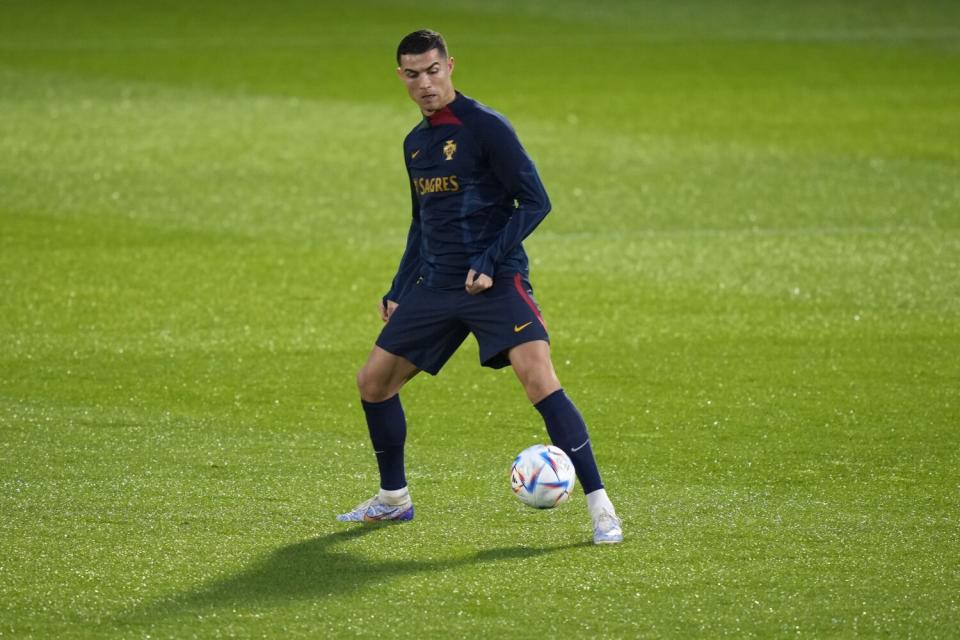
(400, 73)
(450, 64)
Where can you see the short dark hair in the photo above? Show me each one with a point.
(420, 42)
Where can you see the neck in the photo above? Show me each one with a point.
(446, 103)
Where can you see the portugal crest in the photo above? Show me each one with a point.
(449, 149)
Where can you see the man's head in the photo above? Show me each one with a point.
(426, 70)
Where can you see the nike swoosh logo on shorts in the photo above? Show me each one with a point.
(517, 328)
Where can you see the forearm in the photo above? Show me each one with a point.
(409, 268)
(533, 207)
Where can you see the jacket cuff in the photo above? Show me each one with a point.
(484, 265)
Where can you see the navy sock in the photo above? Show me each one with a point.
(388, 431)
(568, 431)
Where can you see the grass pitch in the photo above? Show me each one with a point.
(750, 275)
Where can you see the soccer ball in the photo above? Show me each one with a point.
(542, 476)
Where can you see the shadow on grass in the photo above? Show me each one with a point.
(312, 570)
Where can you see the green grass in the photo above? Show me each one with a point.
(750, 275)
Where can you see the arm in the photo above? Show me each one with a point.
(409, 269)
(518, 175)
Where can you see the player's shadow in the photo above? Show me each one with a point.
(311, 569)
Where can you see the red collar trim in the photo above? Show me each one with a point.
(444, 116)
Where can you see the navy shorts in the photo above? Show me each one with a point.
(430, 324)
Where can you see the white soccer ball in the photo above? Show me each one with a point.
(542, 476)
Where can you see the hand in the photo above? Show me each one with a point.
(478, 282)
(387, 310)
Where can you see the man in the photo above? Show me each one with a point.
(476, 195)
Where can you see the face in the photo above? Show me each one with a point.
(428, 79)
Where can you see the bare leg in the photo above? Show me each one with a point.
(383, 375)
(531, 362)
(379, 382)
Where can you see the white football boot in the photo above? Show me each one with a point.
(607, 528)
(375, 510)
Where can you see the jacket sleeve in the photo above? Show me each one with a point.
(518, 175)
(410, 263)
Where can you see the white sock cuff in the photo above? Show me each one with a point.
(598, 501)
(394, 496)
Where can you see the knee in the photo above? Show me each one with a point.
(383, 375)
(372, 387)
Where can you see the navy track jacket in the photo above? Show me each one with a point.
(476, 196)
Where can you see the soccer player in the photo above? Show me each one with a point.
(476, 195)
